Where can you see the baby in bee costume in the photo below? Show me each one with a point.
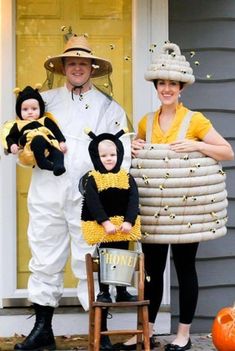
(35, 136)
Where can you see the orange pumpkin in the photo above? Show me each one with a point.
(223, 329)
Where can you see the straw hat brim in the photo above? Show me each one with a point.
(55, 64)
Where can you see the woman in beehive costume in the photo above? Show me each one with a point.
(181, 187)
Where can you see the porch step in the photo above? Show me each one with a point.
(71, 320)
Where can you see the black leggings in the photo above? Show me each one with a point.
(184, 259)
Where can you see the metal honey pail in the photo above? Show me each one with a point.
(117, 266)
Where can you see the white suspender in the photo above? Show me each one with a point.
(184, 125)
(149, 126)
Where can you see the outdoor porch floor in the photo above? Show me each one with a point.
(79, 342)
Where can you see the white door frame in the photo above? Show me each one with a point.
(150, 25)
(7, 165)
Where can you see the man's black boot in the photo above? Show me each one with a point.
(41, 336)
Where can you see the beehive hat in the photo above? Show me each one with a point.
(171, 65)
(78, 46)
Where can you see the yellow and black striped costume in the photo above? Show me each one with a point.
(114, 197)
(109, 195)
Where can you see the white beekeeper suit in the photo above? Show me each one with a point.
(54, 203)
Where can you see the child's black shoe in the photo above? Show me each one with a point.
(125, 296)
(104, 297)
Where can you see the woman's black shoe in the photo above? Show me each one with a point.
(105, 343)
(174, 347)
(122, 346)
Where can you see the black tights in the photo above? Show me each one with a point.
(184, 259)
(55, 159)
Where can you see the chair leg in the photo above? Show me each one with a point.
(139, 346)
(145, 321)
(139, 326)
(91, 329)
(97, 328)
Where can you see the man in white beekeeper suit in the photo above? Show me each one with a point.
(54, 203)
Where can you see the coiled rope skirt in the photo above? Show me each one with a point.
(183, 197)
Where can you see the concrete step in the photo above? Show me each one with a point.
(71, 320)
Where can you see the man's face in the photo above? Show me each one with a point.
(77, 71)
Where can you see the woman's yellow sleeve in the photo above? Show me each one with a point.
(142, 128)
(200, 125)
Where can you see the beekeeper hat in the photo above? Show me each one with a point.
(78, 46)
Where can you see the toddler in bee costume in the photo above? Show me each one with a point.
(111, 203)
(110, 207)
(35, 136)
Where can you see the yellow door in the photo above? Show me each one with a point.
(39, 34)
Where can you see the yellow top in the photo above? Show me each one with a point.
(199, 126)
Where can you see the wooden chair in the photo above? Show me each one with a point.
(95, 308)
